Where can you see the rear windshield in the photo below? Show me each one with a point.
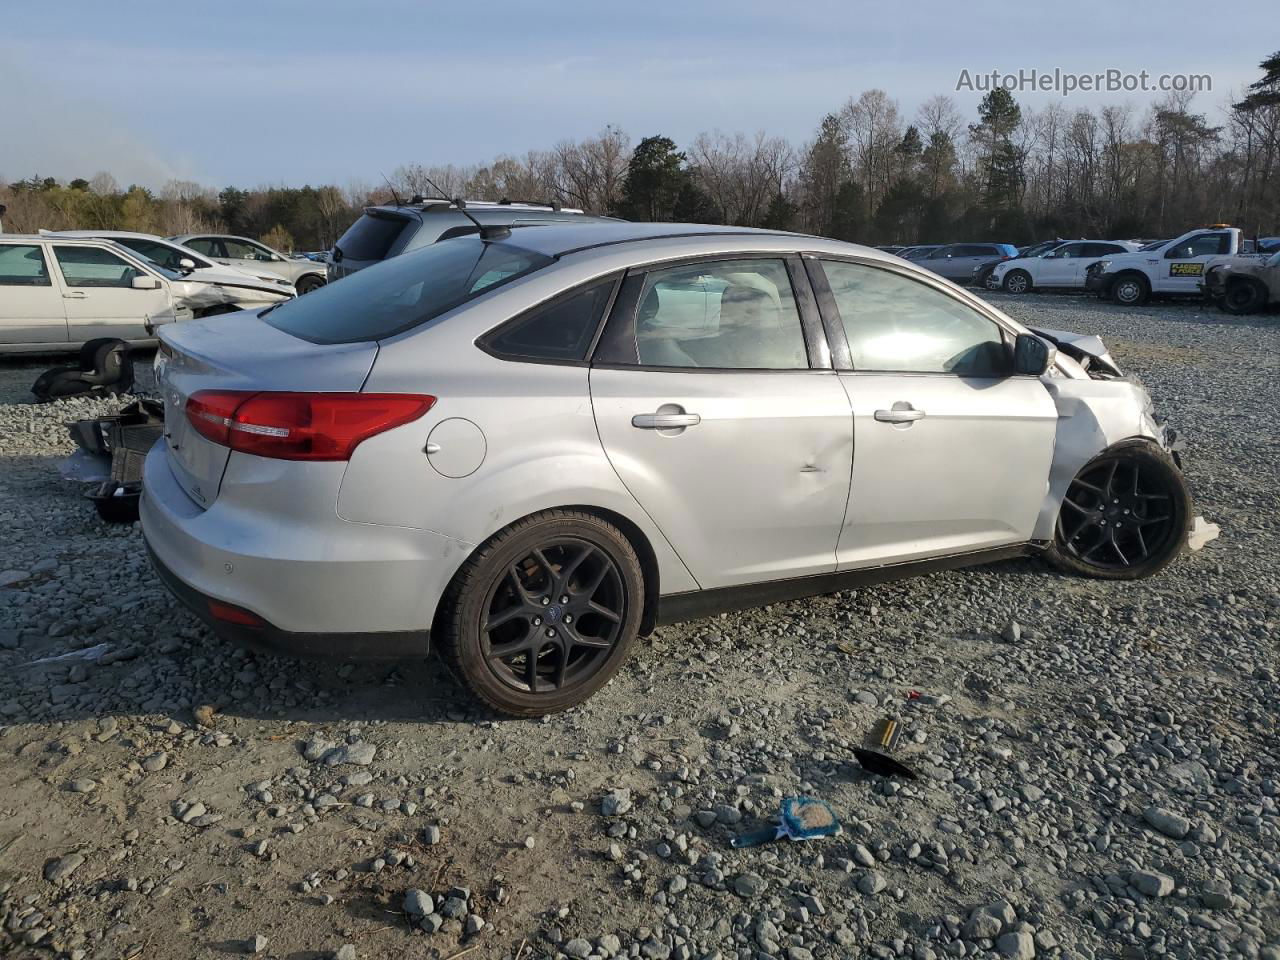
(403, 292)
(370, 237)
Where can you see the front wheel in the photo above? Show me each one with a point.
(544, 613)
(308, 283)
(1244, 297)
(1125, 516)
(1018, 281)
(1131, 289)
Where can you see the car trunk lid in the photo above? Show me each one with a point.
(240, 352)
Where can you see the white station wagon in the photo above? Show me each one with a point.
(56, 293)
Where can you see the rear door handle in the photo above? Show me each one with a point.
(899, 416)
(75, 295)
(665, 421)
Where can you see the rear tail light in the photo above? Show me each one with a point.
(299, 426)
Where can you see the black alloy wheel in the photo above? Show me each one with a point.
(543, 614)
(552, 619)
(1125, 515)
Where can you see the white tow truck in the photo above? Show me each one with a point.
(1174, 268)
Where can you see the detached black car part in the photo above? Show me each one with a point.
(105, 367)
(122, 439)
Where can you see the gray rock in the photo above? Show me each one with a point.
(453, 907)
(1151, 884)
(315, 748)
(749, 885)
(155, 762)
(432, 922)
(474, 924)
(255, 944)
(577, 948)
(1167, 822)
(871, 883)
(418, 904)
(1216, 895)
(431, 835)
(345, 952)
(1019, 945)
(982, 926)
(609, 944)
(56, 871)
(616, 802)
(82, 785)
(358, 754)
(1012, 632)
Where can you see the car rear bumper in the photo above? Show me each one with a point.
(324, 588)
(402, 645)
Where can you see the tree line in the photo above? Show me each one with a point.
(869, 174)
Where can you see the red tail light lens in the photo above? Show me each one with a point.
(299, 426)
(237, 615)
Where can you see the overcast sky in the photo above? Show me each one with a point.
(311, 91)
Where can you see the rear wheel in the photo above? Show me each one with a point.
(1130, 289)
(1244, 297)
(1125, 516)
(543, 614)
(1018, 281)
(308, 283)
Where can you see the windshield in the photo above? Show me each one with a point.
(403, 292)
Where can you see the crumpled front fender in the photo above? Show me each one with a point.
(1092, 416)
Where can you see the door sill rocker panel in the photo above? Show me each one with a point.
(695, 604)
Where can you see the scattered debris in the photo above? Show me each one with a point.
(799, 818)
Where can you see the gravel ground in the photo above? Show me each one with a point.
(1099, 761)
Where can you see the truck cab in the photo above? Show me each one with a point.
(1173, 269)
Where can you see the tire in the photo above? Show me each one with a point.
(308, 283)
(1104, 540)
(1130, 289)
(1243, 297)
(1017, 281)
(558, 653)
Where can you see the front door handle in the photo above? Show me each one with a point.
(901, 413)
(75, 295)
(665, 421)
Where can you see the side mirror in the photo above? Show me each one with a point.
(1032, 356)
(187, 264)
(144, 282)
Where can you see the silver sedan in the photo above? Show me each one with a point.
(531, 445)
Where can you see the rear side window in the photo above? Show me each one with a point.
(370, 237)
(560, 330)
(398, 294)
(727, 315)
(22, 265)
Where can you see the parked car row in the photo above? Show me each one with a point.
(58, 291)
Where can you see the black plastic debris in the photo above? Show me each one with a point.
(105, 367)
(120, 443)
(878, 761)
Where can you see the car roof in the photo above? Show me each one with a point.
(564, 237)
(438, 205)
(106, 235)
(220, 236)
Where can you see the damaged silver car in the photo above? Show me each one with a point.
(530, 445)
(57, 292)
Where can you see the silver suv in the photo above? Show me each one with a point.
(390, 230)
(526, 451)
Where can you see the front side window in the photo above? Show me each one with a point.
(942, 253)
(896, 324)
(560, 330)
(22, 265)
(403, 292)
(159, 253)
(726, 315)
(93, 267)
(1201, 245)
